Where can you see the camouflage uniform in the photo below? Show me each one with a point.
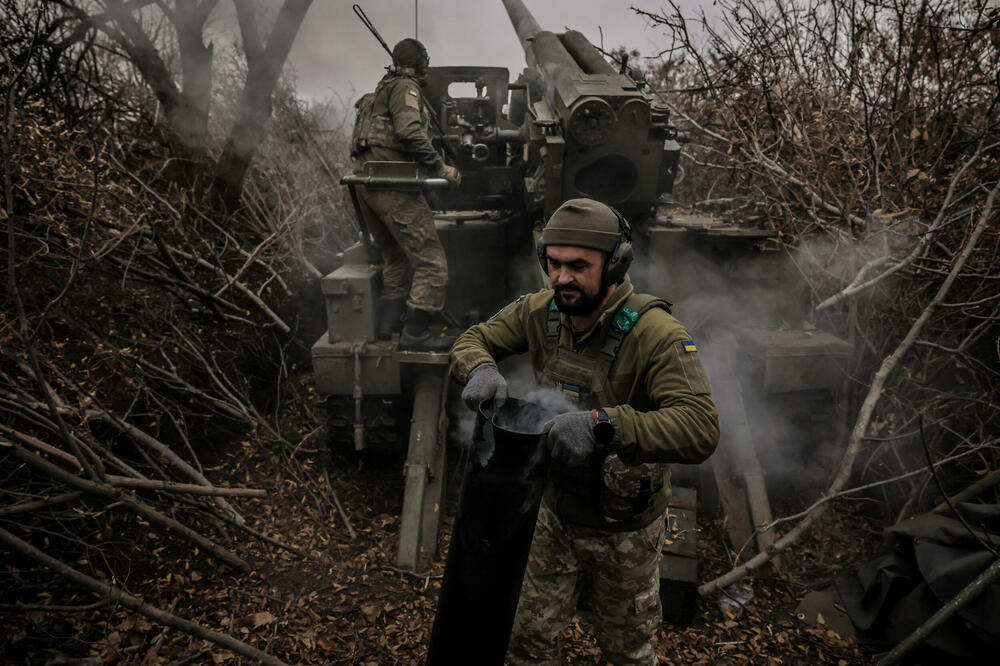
(400, 222)
(414, 264)
(657, 396)
(624, 578)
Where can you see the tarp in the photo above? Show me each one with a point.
(929, 559)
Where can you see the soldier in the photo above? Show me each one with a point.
(644, 402)
(394, 124)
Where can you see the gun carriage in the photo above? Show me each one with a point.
(571, 125)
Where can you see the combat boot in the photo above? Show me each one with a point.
(390, 316)
(417, 337)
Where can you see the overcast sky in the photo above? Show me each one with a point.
(334, 54)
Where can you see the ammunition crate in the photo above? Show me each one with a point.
(796, 360)
(351, 294)
(333, 367)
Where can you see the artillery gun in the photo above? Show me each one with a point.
(570, 126)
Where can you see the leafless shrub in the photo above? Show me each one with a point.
(140, 326)
(868, 134)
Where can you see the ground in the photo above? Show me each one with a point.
(347, 602)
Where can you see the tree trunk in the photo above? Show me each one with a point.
(186, 110)
(264, 68)
(189, 120)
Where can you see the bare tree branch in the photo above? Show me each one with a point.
(867, 408)
(117, 595)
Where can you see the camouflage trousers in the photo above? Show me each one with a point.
(623, 572)
(414, 265)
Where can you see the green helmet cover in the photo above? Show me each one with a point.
(410, 53)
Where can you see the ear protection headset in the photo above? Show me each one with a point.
(618, 260)
(621, 256)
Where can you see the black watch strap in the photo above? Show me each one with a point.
(604, 430)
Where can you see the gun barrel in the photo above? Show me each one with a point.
(586, 54)
(524, 23)
(554, 55)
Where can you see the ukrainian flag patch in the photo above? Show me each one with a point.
(689, 345)
(412, 99)
(570, 390)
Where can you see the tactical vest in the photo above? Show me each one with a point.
(624, 491)
(375, 129)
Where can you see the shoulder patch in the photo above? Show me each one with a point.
(691, 367)
(412, 98)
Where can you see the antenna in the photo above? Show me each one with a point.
(415, 8)
(433, 116)
(371, 27)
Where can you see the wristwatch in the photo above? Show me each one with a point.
(604, 431)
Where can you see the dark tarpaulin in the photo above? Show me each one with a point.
(499, 503)
(930, 558)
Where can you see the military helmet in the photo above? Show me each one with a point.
(591, 224)
(410, 53)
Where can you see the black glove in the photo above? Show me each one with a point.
(570, 437)
(485, 382)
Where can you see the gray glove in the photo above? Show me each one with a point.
(570, 437)
(485, 382)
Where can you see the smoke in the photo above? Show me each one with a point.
(730, 302)
(539, 404)
(830, 262)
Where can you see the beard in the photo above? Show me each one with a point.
(582, 304)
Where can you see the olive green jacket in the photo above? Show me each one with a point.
(666, 413)
(401, 100)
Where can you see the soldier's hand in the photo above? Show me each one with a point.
(485, 382)
(570, 437)
(451, 174)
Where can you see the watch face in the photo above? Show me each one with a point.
(604, 432)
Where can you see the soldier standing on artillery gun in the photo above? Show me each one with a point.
(394, 125)
(645, 402)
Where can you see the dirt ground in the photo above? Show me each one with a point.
(347, 602)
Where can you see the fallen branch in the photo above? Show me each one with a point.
(38, 444)
(189, 488)
(340, 509)
(116, 495)
(279, 544)
(865, 414)
(934, 622)
(162, 449)
(118, 595)
(970, 491)
(34, 505)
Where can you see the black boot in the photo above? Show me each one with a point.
(390, 316)
(417, 337)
